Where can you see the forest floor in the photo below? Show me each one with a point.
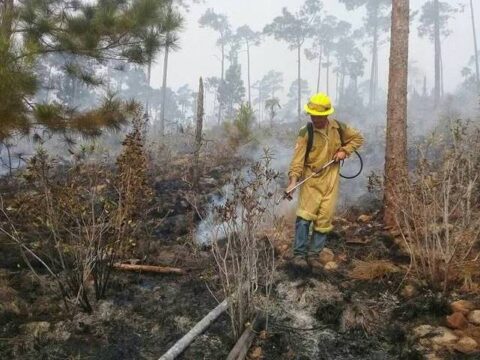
(331, 314)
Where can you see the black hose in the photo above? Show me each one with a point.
(359, 171)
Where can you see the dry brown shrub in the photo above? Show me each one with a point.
(132, 182)
(439, 209)
(468, 273)
(75, 220)
(245, 258)
(373, 269)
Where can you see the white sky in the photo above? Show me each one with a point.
(198, 55)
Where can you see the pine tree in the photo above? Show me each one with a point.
(97, 30)
(434, 24)
(219, 23)
(251, 38)
(295, 29)
(396, 146)
(376, 24)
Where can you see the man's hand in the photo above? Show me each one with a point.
(340, 155)
(290, 188)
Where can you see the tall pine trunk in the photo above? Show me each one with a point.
(374, 67)
(328, 73)
(299, 102)
(475, 45)
(319, 69)
(260, 105)
(149, 72)
(437, 92)
(222, 79)
(164, 91)
(442, 90)
(248, 77)
(396, 142)
(425, 86)
(198, 137)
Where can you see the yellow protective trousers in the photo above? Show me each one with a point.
(318, 196)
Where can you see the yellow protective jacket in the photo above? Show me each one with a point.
(318, 196)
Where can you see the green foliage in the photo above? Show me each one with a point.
(76, 71)
(217, 22)
(378, 17)
(349, 57)
(248, 35)
(111, 114)
(295, 28)
(100, 30)
(232, 90)
(16, 82)
(428, 16)
(244, 121)
(239, 132)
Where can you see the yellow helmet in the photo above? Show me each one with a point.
(319, 105)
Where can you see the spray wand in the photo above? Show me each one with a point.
(287, 195)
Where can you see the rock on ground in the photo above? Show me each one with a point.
(474, 317)
(423, 330)
(326, 256)
(462, 306)
(466, 345)
(443, 337)
(457, 321)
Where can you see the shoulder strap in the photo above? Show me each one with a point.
(341, 131)
(309, 139)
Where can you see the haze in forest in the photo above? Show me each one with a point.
(198, 55)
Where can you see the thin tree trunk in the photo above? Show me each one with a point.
(437, 52)
(396, 142)
(337, 86)
(475, 45)
(373, 70)
(198, 137)
(164, 91)
(299, 102)
(319, 69)
(221, 84)
(328, 73)
(49, 86)
(149, 72)
(425, 86)
(7, 146)
(442, 89)
(259, 105)
(248, 70)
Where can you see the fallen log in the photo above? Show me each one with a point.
(240, 350)
(149, 268)
(199, 328)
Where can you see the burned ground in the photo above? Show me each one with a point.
(314, 315)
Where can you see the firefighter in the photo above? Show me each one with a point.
(329, 139)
